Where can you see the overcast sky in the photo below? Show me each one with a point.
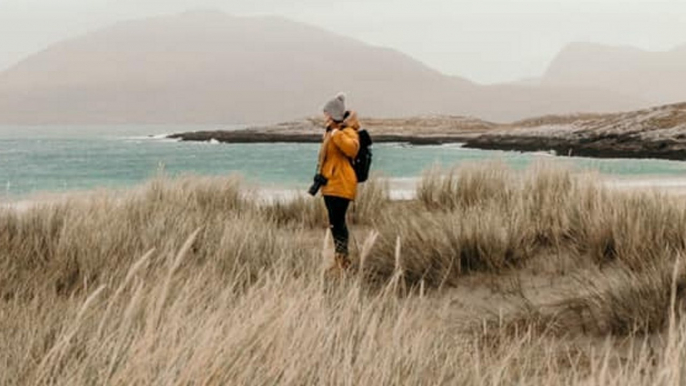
(485, 40)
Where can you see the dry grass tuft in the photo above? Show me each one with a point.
(466, 187)
(625, 303)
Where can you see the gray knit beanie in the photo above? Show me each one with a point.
(336, 107)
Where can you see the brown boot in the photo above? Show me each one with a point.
(339, 268)
(343, 261)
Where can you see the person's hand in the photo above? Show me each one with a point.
(328, 122)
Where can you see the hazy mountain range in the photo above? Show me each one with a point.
(657, 77)
(209, 67)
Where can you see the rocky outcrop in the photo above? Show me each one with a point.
(653, 133)
(416, 131)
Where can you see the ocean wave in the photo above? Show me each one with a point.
(401, 145)
(456, 145)
(155, 137)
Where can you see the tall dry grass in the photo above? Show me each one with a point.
(189, 281)
(491, 218)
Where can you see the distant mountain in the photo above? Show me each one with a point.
(209, 67)
(658, 77)
(527, 82)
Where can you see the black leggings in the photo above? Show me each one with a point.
(337, 207)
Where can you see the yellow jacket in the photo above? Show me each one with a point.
(339, 147)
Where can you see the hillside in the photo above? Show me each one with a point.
(658, 77)
(210, 67)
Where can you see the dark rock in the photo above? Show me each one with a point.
(248, 136)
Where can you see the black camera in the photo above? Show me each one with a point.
(319, 181)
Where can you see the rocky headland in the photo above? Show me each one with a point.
(416, 131)
(658, 132)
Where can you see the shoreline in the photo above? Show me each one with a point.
(664, 150)
(400, 189)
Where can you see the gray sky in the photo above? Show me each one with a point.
(487, 41)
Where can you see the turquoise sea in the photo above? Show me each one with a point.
(38, 159)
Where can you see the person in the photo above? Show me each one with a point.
(340, 145)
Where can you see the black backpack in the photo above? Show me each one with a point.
(363, 161)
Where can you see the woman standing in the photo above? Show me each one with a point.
(339, 146)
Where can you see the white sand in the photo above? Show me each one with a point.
(400, 189)
(47, 199)
(672, 185)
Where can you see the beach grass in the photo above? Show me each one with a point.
(490, 276)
